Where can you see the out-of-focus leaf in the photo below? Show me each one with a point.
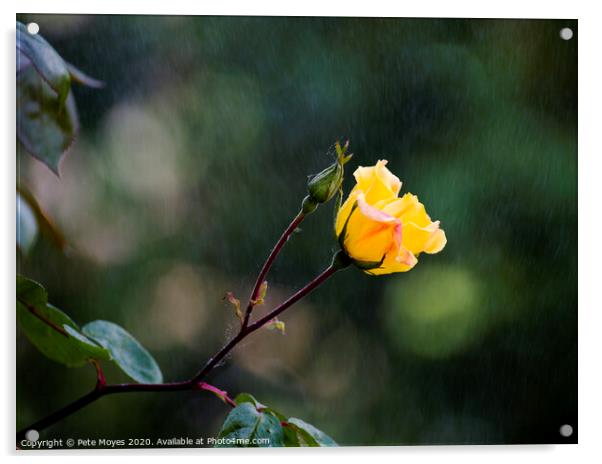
(82, 78)
(44, 223)
(27, 225)
(245, 426)
(131, 357)
(46, 61)
(310, 435)
(45, 128)
(50, 330)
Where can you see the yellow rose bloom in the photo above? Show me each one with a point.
(381, 232)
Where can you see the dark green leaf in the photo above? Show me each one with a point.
(51, 330)
(30, 291)
(248, 398)
(126, 351)
(291, 436)
(45, 128)
(45, 224)
(294, 432)
(245, 425)
(46, 61)
(27, 225)
(310, 435)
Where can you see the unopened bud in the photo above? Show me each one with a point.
(324, 185)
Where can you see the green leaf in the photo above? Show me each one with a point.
(247, 398)
(291, 436)
(50, 330)
(245, 425)
(310, 435)
(295, 432)
(131, 357)
(45, 225)
(45, 127)
(30, 291)
(46, 61)
(27, 225)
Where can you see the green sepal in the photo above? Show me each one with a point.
(308, 205)
(368, 265)
(338, 202)
(343, 233)
(341, 260)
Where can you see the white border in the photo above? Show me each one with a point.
(463, 9)
(590, 211)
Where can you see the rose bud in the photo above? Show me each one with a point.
(324, 185)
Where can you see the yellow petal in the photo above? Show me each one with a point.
(370, 232)
(371, 246)
(436, 243)
(430, 239)
(377, 182)
(409, 209)
(395, 262)
(384, 225)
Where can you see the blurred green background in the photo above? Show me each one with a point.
(193, 159)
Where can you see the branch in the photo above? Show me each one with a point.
(268, 264)
(330, 270)
(196, 382)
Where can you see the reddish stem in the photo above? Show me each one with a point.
(268, 264)
(330, 270)
(222, 394)
(100, 376)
